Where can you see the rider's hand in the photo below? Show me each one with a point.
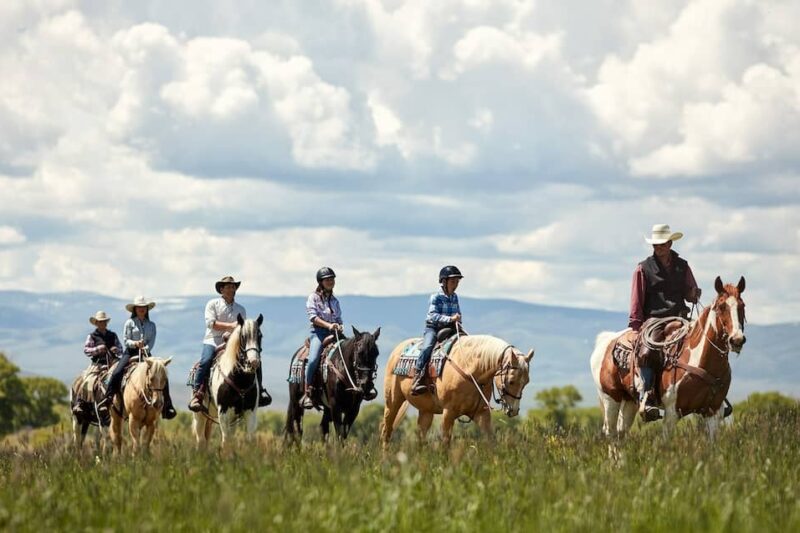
(456, 318)
(101, 348)
(114, 350)
(140, 344)
(335, 327)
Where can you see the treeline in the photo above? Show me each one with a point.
(27, 402)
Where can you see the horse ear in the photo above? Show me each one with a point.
(718, 285)
(239, 319)
(529, 356)
(356, 332)
(740, 285)
(167, 361)
(377, 333)
(260, 319)
(149, 362)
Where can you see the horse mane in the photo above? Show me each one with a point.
(484, 351)
(227, 361)
(139, 376)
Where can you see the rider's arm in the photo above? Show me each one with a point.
(89, 348)
(213, 323)
(151, 341)
(436, 312)
(638, 287)
(692, 291)
(127, 333)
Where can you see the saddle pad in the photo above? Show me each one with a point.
(297, 370)
(89, 380)
(408, 359)
(623, 349)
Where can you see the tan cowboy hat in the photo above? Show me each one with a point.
(661, 234)
(99, 316)
(224, 281)
(139, 301)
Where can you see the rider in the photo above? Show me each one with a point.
(139, 333)
(103, 347)
(221, 317)
(325, 316)
(661, 283)
(443, 311)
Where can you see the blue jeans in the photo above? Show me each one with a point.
(314, 353)
(646, 374)
(428, 341)
(115, 382)
(206, 360)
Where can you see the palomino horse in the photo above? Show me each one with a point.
(696, 381)
(233, 384)
(351, 366)
(142, 402)
(476, 364)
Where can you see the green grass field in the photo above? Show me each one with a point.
(530, 478)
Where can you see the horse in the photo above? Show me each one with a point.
(475, 366)
(142, 402)
(83, 404)
(696, 380)
(233, 385)
(352, 368)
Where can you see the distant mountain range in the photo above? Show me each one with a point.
(44, 334)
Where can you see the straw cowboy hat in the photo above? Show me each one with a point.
(140, 301)
(99, 316)
(224, 281)
(661, 234)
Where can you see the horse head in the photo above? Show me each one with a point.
(365, 357)
(156, 375)
(729, 310)
(248, 355)
(511, 378)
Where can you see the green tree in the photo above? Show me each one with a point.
(43, 396)
(557, 402)
(13, 396)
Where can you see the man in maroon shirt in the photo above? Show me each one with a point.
(661, 285)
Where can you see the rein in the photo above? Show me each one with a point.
(503, 370)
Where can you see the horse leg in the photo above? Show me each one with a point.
(670, 414)
(611, 409)
(484, 421)
(391, 409)
(325, 423)
(135, 430)
(713, 422)
(252, 424)
(424, 422)
(149, 431)
(350, 418)
(198, 430)
(627, 416)
(115, 430)
(448, 419)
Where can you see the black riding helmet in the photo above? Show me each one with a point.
(449, 271)
(325, 273)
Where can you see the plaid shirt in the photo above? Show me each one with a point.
(441, 308)
(323, 308)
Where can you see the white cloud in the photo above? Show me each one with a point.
(10, 235)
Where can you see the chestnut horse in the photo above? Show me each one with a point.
(142, 401)
(476, 364)
(696, 381)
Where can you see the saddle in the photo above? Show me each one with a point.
(190, 380)
(87, 384)
(406, 365)
(297, 370)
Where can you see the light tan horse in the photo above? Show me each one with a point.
(142, 401)
(476, 364)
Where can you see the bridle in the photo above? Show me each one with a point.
(505, 371)
(371, 372)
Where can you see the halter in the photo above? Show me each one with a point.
(358, 368)
(240, 357)
(505, 371)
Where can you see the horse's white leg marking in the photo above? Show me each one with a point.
(627, 416)
(252, 423)
(713, 422)
(610, 414)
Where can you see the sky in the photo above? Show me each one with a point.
(152, 147)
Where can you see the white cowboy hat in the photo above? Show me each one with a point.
(661, 234)
(99, 316)
(140, 301)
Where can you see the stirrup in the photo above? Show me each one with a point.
(306, 402)
(264, 398)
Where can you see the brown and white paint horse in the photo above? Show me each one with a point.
(489, 360)
(698, 381)
(142, 402)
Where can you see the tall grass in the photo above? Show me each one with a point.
(531, 477)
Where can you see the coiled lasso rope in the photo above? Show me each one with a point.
(649, 330)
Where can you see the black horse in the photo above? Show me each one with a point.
(87, 413)
(351, 372)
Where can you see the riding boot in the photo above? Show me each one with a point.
(306, 402)
(168, 410)
(264, 399)
(417, 386)
(196, 404)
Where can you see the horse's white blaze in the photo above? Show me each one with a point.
(733, 307)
